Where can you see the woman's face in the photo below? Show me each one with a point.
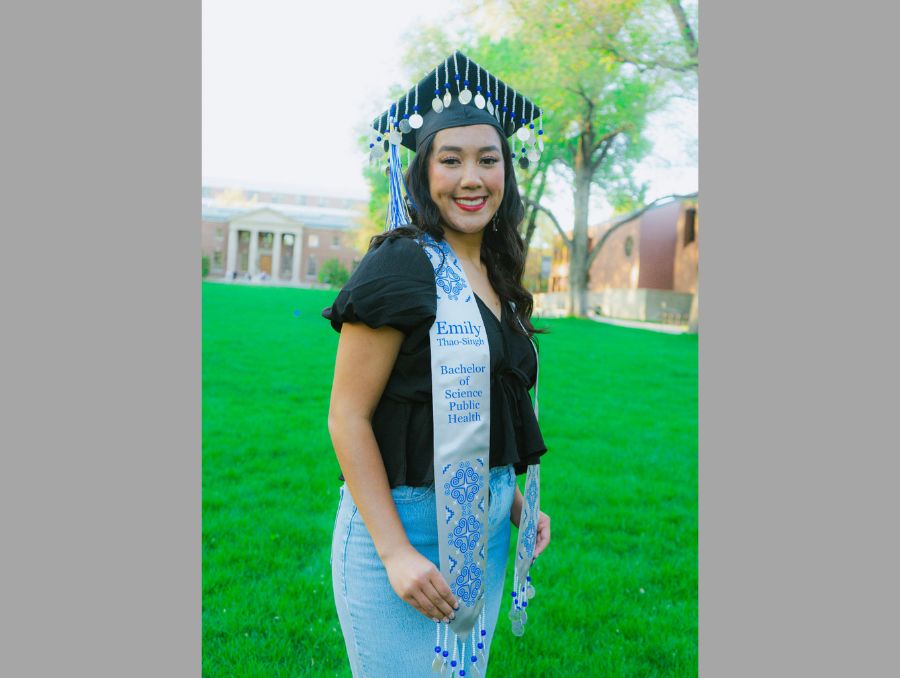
(466, 175)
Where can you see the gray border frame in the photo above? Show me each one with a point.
(798, 512)
(100, 483)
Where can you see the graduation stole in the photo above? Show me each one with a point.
(461, 410)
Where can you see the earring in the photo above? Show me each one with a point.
(494, 222)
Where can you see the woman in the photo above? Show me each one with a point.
(389, 589)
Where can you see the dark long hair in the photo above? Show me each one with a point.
(502, 251)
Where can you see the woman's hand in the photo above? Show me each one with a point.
(418, 582)
(542, 540)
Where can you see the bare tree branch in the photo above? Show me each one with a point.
(536, 207)
(687, 34)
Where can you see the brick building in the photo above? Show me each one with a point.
(646, 270)
(281, 236)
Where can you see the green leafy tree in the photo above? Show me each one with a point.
(597, 109)
(333, 273)
(599, 68)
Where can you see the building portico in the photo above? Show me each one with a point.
(265, 241)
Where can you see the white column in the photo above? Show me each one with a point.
(253, 264)
(231, 265)
(295, 264)
(276, 255)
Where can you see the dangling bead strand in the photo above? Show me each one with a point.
(448, 99)
(479, 97)
(436, 103)
(438, 661)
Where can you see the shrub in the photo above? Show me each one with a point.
(204, 265)
(333, 273)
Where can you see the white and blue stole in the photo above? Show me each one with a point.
(461, 410)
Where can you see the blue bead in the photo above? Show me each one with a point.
(540, 132)
(474, 659)
(378, 139)
(483, 632)
(416, 107)
(528, 576)
(513, 594)
(456, 77)
(532, 127)
(525, 604)
(437, 649)
(445, 653)
(436, 92)
(465, 82)
(371, 145)
(462, 672)
(452, 662)
(447, 85)
(478, 88)
(503, 109)
(480, 646)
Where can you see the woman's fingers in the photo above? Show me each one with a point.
(543, 534)
(439, 601)
(443, 590)
(423, 604)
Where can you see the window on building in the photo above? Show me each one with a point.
(629, 245)
(335, 241)
(690, 220)
(311, 266)
(313, 240)
(289, 239)
(217, 261)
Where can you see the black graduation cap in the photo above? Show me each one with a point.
(459, 92)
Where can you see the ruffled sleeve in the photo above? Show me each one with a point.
(393, 285)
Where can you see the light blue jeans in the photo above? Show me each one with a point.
(385, 636)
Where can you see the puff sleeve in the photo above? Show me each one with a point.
(393, 285)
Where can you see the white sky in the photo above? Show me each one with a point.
(287, 84)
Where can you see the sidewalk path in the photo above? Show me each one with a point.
(654, 327)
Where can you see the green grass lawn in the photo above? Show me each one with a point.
(616, 589)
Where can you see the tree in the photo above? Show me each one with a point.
(597, 109)
(333, 273)
(587, 64)
(599, 67)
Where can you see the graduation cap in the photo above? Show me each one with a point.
(456, 93)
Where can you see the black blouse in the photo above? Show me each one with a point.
(394, 285)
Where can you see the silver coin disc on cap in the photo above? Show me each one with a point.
(490, 106)
(447, 99)
(465, 96)
(396, 137)
(541, 143)
(522, 133)
(405, 127)
(437, 105)
(479, 100)
(415, 121)
(533, 155)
